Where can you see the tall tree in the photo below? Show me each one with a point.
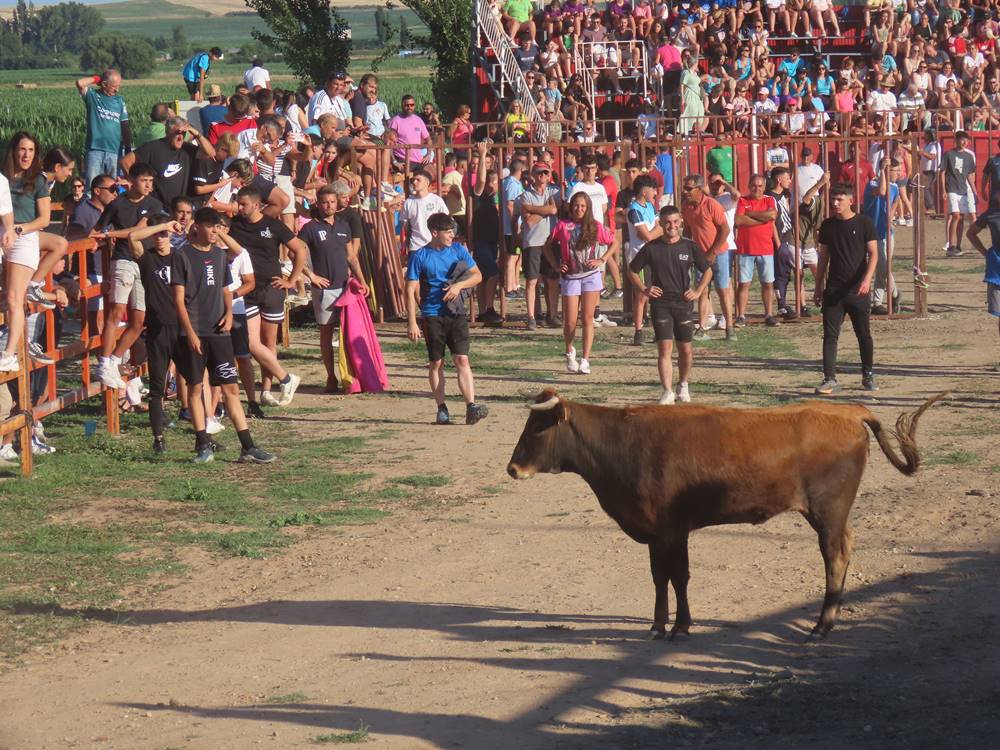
(404, 34)
(313, 37)
(449, 35)
(133, 56)
(381, 26)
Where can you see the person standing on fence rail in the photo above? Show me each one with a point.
(670, 259)
(200, 279)
(880, 199)
(439, 273)
(848, 257)
(108, 129)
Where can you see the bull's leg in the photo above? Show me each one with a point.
(679, 576)
(835, 546)
(659, 562)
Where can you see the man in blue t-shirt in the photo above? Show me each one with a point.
(196, 71)
(792, 64)
(990, 220)
(440, 273)
(108, 130)
(879, 205)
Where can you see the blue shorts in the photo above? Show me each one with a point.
(720, 270)
(764, 265)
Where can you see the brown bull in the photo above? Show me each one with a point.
(663, 471)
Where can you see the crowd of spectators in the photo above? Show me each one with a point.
(800, 66)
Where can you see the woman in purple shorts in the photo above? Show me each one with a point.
(584, 245)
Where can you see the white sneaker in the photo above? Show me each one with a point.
(108, 375)
(267, 398)
(213, 426)
(7, 453)
(603, 321)
(41, 448)
(584, 367)
(683, 395)
(667, 399)
(720, 324)
(711, 322)
(9, 363)
(288, 389)
(571, 364)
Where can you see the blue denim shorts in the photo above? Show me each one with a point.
(764, 265)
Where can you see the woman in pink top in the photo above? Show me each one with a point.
(584, 246)
(843, 102)
(642, 16)
(460, 130)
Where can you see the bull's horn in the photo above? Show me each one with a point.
(545, 405)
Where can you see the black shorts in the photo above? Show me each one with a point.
(267, 302)
(673, 322)
(163, 344)
(216, 355)
(443, 330)
(531, 260)
(192, 88)
(240, 336)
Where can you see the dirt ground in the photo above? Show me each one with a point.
(518, 616)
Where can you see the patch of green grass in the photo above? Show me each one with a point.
(954, 458)
(67, 539)
(423, 480)
(759, 342)
(358, 736)
(287, 698)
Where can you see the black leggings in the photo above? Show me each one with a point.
(161, 345)
(857, 308)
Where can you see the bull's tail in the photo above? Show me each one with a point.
(905, 434)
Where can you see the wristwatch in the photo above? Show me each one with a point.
(18, 230)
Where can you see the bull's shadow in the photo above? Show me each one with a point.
(919, 675)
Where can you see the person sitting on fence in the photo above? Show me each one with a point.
(439, 273)
(121, 216)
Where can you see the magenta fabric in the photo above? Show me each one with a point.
(364, 355)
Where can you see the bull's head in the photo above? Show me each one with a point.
(538, 449)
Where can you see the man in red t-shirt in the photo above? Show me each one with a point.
(855, 178)
(235, 121)
(755, 241)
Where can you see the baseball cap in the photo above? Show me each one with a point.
(793, 100)
(764, 90)
(541, 168)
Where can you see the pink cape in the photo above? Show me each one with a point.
(363, 353)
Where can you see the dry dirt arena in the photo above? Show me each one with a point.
(516, 615)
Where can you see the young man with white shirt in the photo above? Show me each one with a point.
(421, 204)
(536, 210)
(257, 76)
(811, 180)
(959, 167)
(330, 99)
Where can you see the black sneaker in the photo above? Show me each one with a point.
(868, 381)
(442, 416)
(475, 412)
(880, 310)
(38, 354)
(828, 386)
(205, 455)
(637, 338)
(254, 411)
(255, 455)
(184, 415)
(159, 445)
(806, 312)
(532, 324)
(771, 322)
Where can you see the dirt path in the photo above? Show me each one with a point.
(518, 617)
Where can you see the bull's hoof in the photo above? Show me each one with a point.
(657, 634)
(680, 634)
(819, 633)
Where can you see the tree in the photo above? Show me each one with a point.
(51, 32)
(449, 35)
(179, 46)
(313, 37)
(404, 34)
(133, 56)
(381, 26)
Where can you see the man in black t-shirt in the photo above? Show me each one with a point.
(263, 237)
(162, 331)
(670, 259)
(333, 239)
(172, 159)
(848, 257)
(200, 278)
(121, 216)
